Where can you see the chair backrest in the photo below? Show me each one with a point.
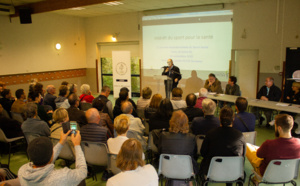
(281, 171)
(5, 114)
(112, 165)
(96, 153)
(199, 141)
(250, 137)
(136, 135)
(17, 116)
(29, 137)
(151, 145)
(85, 106)
(224, 169)
(66, 152)
(176, 166)
(141, 112)
(3, 137)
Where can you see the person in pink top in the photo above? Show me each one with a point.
(86, 95)
(202, 95)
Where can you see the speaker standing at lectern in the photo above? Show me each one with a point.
(174, 75)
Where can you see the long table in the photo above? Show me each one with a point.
(294, 108)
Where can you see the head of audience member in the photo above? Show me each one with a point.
(32, 84)
(30, 110)
(64, 83)
(232, 80)
(241, 104)
(60, 115)
(296, 87)
(2, 86)
(130, 156)
(146, 93)
(1, 110)
(40, 151)
(126, 107)
(92, 116)
(51, 89)
(34, 96)
(121, 124)
(226, 117)
(73, 100)
(6, 93)
(211, 78)
(179, 122)
(191, 100)
(38, 87)
(105, 91)
(177, 92)
(123, 95)
(63, 91)
(170, 62)
(269, 82)
(283, 125)
(203, 92)
(208, 107)
(165, 108)
(98, 104)
(72, 88)
(20, 94)
(155, 101)
(85, 89)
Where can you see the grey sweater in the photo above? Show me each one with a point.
(48, 175)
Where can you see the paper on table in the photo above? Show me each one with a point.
(282, 104)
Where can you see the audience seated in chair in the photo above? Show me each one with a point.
(92, 131)
(18, 105)
(134, 171)
(145, 99)
(86, 94)
(202, 125)
(123, 96)
(7, 100)
(105, 91)
(121, 124)
(160, 120)
(49, 98)
(222, 141)
(212, 84)
(244, 121)
(232, 88)
(191, 111)
(202, 95)
(105, 120)
(10, 127)
(72, 89)
(60, 116)
(46, 116)
(32, 125)
(41, 170)
(2, 87)
(283, 147)
(61, 101)
(178, 140)
(153, 106)
(176, 100)
(74, 113)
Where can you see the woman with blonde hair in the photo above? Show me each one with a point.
(121, 125)
(134, 171)
(60, 116)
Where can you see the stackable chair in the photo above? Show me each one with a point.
(279, 172)
(4, 139)
(199, 141)
(85, 106)
(66, 152)
(227, 169)
(95, 153)
(112, 165)
(17, 116)
(151, 148)
(250, 137)
(176, 167)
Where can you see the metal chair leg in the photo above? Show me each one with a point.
(9, 153)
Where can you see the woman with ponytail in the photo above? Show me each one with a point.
(222, 141)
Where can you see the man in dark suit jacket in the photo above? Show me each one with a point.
(269, 92)
(172, 72)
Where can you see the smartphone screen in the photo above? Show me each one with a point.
(73, 126)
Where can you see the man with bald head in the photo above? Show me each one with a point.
(92, 131)
(50, 97)
(173, 73)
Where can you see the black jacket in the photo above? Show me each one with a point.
(173, 74)
(274, 93)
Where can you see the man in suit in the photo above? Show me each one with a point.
(172, 72)
(269, 92)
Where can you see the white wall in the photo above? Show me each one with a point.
(31, 47)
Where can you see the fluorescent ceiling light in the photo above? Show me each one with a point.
(77, 8)
(113, 3)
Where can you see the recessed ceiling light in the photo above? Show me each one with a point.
(77, 8)
(113, 3)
